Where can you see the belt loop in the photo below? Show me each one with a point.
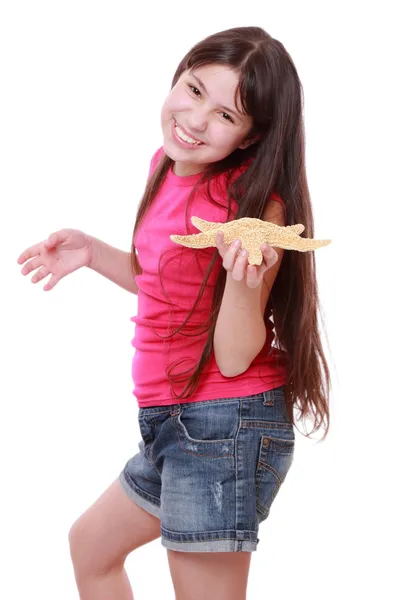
(175, 410)
(268, 398)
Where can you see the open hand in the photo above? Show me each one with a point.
(62, 253)
(235, 260)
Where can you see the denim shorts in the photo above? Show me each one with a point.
(211, 470)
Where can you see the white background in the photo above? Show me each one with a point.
(82, 84)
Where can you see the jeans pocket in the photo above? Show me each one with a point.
(208, 429)
(274, 461)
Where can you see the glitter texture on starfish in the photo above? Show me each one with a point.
(252, 233)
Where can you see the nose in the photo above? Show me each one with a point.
(197, 122)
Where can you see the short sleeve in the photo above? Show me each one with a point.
(277, 198)
(273, 196)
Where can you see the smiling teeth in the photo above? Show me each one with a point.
(184, 137)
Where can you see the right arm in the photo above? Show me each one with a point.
(113, 264)
(67, 250)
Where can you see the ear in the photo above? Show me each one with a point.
(249, 142)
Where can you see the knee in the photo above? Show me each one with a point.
(73, 535)
(82, 551)
(89, 557)
(77, 540)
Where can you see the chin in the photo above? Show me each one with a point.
(171, 151)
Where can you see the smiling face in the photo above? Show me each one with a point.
(200, 121)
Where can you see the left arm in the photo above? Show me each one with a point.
(240, 331)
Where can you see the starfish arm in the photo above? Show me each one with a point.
(251, 241)
(300, 244)
(268, 227)
(296, 228)
(255, 257)
(196, 240)
(204, 225)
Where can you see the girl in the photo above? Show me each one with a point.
(223, 350)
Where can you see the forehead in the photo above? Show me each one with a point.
(221, 84)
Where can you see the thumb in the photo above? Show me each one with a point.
(54, 239)
(51, 241)
(270, 256)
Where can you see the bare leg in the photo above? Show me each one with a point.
(114, 585)
(206, 575)
(101, 539)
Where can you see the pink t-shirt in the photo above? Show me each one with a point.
(183, 271)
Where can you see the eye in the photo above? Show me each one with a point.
(194, 88)
(229, 117)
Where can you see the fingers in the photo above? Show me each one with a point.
(230, 254)
(51, 242)
(54, 279)
(233, 259)
(38, 253)
(240, 263)
(254, 277)
(29, 253)
(51, 283)
(39, 275)
(219, 242)
(35, 263)
(270, 255)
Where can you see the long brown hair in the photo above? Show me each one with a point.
(271, 93)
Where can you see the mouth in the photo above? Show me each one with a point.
(184, 138)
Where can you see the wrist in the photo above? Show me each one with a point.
(242, 295)
(93, 248)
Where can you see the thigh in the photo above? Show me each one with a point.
(204, 575)
(104, 535)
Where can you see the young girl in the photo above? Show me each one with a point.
(223, 351)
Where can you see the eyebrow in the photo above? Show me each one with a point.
(201, 84)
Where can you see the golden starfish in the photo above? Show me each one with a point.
(252, 233)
